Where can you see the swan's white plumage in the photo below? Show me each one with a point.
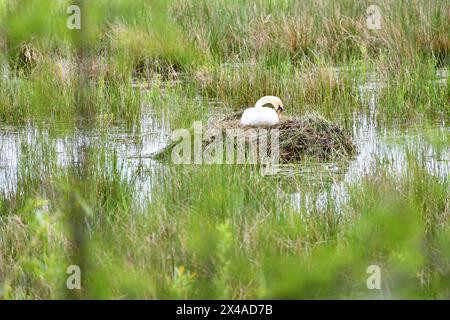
(260, 116)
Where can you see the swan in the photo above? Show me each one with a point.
(260, 116)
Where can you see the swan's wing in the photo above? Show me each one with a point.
(249, 117)
(267, 117)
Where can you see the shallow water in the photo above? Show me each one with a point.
(376, 145)
(134, 146)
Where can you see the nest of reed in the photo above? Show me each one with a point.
(310, 137)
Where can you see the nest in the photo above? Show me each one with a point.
(309, 137)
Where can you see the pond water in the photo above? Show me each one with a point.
(381, 145)
(134, 147)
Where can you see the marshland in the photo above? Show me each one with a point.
(84, 110)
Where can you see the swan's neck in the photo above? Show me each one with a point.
(275, 101)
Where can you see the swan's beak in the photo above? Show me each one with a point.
(280, 110)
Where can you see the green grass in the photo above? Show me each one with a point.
(231, 51)
(221, 231)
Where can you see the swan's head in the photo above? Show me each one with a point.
(274, 101)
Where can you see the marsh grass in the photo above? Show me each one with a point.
(222, 232)
(46, 94)
(311, 30)
(233, 52)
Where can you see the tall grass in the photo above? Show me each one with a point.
(222, 232)
(232, 51)
(316, 30)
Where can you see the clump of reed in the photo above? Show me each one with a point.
(311, 30)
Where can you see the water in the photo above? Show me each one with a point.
(134, 148)
(376, 144)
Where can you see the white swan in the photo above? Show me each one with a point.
(260, 116)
